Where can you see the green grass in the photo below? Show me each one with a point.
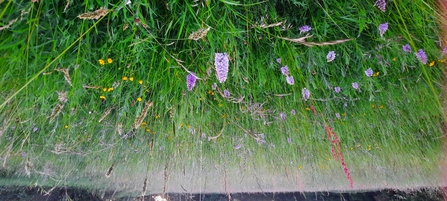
(389, 129)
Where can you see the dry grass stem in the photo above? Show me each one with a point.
(62, 96)
(110, 170)
(217, 136)
(106, 113)
(281, 95)
(143, 192)
(22, 13)
(28, 167)
(143, 115)
(9, 24)
(119, 128)
(56, 111)
(66, 5)
(264, 26)
(8, 153)
(66, 75)
(201, 33)
(94, 15)
(303, 41)
(90, 87)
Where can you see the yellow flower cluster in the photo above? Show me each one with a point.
(102, 62)
(125, 78)
(107, 89)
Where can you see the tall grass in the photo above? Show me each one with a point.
(139, 53)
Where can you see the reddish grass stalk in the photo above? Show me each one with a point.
(313, 109)
(335, 148)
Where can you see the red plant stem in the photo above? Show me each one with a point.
(335, 148)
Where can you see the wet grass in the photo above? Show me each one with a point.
(389, 128)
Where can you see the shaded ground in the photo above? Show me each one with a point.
(57, 194)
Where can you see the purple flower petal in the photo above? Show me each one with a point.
(226, 93)
(305, 29)
(282, 115)
(221, 63)
(306, 94)
(383, 28)
(369, 72)
(289, 140)
(278, 60)
(381, 4)
(290, 80)
(238, 146)
(337, 89)
(421, 56)
(293, 112)
(190, 81)
(330, 56)
(406, 48)
(285, 70)
(337, 115)
(355, 85)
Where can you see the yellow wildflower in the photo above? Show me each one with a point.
(66, 126)
(139, 99)
(381, 107)
(141, 81)
(109, 60)
(101, 62)
(131, 79)
(376, 74)
(102, 97)
(110, 89)
(300, 167)
(157, 116)
(105, 89)
(125, 78)
(432, 63)
(394, 59)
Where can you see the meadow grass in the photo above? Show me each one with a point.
(138, 53)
